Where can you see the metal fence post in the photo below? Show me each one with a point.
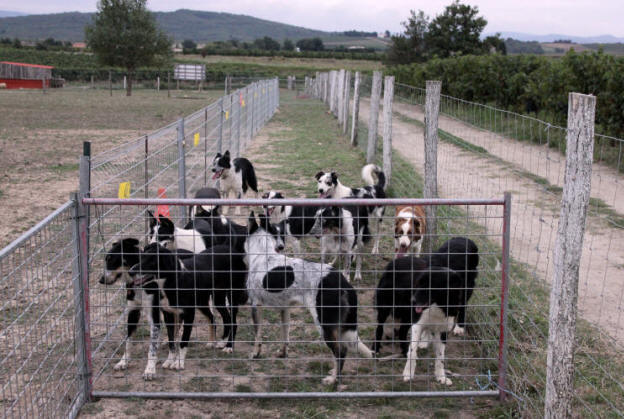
(236, 139)
(205, 146)
(567, 256)
(81, 290)
(220, 138)
(110, 82)
(387, 126)
(373, 117)
(502, 348)
(356, 109)
(430, 191)
(181, 167)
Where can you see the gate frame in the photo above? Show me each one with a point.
(500, 392)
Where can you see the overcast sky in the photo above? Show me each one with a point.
(570, 17)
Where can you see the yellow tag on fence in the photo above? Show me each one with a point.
(124, 190)
(227, 115)
(243, 103)
(196, 139)
(263, 91)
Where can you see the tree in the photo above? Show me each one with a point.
(410, 46)
(288, 45)
(189, 44)
(456, 31)
(124, 34)
(494, 44)
(311, 44)
(267, 43)
(17, 43)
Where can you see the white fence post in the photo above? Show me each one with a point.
(340, 96)
(387, 126)
(332, 88)
(373, 117)
(567, 256)
(356, 109)
(430, 191)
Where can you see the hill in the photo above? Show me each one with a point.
(180, 24)
(550, 38)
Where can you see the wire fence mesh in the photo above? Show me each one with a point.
(42, 350)
(295, 363)
(484, 151)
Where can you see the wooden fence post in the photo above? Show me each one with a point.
(158, 83)
(567, 256)
(387, 127)
(373, 117)
(430, 191)
(332, 88)
(347, 100)
(340, 96)
(356, 109)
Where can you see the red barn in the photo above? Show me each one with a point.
(24, 76)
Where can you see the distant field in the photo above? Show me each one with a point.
(558, 48)
(312, 64)
(368, 42)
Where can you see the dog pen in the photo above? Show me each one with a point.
(479, 357)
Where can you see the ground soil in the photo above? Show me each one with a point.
(535, 211)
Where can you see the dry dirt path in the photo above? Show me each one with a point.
(535, 212)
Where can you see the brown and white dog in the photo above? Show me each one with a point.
(409, 229)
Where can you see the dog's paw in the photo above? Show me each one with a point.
(178, 365)
(221, 344)
(357, 277)
(121, 365)
(375, 251)
(149, 373)
(423, 344)
(282, 353)
(407, 377)
(254, 355)
(459, 331)
(444, 380)
(210, 345)
(228, 350)
(167, 364)
(329, 380)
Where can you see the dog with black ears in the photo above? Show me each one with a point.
(280, 281)
(291, 221)
(179, 288)
(236, 181)
(119, 259)
(329, 186)
(429, 296)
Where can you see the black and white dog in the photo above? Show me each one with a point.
(343, 231)
(461, 255)
(294, 222)
(236, 181)
(120, 258)
(205, 211)
(329, 186)
(182, 287)
(194, 238)
(396, 286)
(279, 281)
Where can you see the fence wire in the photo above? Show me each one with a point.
(484, 151)
(42, 352)
(295, 363)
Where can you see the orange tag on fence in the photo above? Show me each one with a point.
(240, 99)
(162, 210)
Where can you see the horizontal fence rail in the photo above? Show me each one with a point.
(294, 363)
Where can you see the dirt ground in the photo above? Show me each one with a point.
(534, 211)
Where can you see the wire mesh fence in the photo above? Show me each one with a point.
(39, 363)
(484, 151)
(44, 314)
(304, 313)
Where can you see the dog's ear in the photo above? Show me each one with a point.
(265, 195)
(131, 241)
(318, 175)
(334, 177)
(218, 155)
(227, 154)
(252, 225)
(264, 222)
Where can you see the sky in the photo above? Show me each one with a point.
(570, 17)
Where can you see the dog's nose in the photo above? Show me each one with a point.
(280, 248)
(102, 280)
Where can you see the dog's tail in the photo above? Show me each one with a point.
(369, 172)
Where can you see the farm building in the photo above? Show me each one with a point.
(24, 76)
